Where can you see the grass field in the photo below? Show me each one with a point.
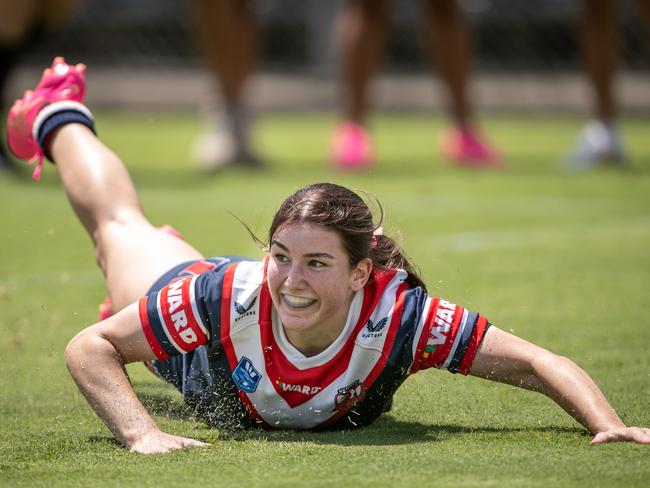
(560, 259)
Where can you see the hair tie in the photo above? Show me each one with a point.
(379, 231)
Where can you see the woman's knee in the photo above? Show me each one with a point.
(134, 256)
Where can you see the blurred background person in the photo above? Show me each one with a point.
(21, 24)
(229, 41)
(363, 25)
(599, 141)
(513, 38)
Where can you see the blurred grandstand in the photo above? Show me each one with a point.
(143, 55)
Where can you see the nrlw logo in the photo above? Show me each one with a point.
(245, 375)
(243, 311)
(374, 330)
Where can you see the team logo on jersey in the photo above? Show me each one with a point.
(244, 311)
(440, 327)
(374, 330)
(304, 389)
(348, 395)
(245, 375)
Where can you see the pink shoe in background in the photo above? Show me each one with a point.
(352, 147)
(105, 309)
(59, 83)
(465, 147)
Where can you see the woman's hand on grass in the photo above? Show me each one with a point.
(159, 442)
(639, 435)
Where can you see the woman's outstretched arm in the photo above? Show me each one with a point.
(96, 358)
(506, 358)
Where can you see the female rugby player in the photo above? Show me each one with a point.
(318, 335)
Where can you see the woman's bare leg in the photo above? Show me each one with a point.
(362, 25)
(599, 36)
(450, 42)
(130, 250)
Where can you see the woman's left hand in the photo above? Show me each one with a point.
(640, 435)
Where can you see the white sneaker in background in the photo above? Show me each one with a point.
(225, 141)
(215, 147)
(598, 143)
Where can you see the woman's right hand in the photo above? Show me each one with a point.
(159, 442)
(96, 359)
(640, 435)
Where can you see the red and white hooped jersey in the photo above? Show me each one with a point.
(391, 332)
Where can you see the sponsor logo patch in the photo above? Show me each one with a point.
(181, 325)
(244, 311)
(440, 327)
(374, 330)
(304, 389)
(245, 375)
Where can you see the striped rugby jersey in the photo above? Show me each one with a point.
(238, 368)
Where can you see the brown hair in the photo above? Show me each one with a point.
(340, 209)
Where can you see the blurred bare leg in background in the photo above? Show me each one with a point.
(16, 24)
(228, 36)
(600, 47)
(452, 50)
(643, 8)
(363, 25)
(599, 142)
(450, 44)
(21, 22)
(361, 32)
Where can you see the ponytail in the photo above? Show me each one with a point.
(386, 253)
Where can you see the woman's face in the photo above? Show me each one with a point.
(312, 283)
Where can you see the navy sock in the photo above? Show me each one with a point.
(67, 115)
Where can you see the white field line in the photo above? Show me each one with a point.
(458, 242)
(89, 276)
(470, 242)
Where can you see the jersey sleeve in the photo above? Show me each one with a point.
(447, 336)
(182, 315)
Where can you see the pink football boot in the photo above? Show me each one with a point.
(105, 309)
(352, 147)
(465, 147)
(59, 83)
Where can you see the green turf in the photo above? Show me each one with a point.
(560, 259)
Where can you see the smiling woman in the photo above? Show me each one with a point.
(317, 335)
(323, 246)
(312, 284)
